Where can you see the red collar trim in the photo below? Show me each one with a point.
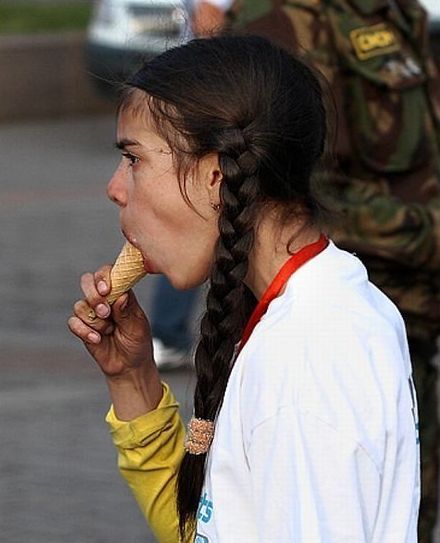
(287, 270)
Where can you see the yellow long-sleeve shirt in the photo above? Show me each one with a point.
(150, 449)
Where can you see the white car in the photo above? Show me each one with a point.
(122, 33)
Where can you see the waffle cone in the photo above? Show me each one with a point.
(127, 270)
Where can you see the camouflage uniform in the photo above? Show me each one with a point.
(386, 90)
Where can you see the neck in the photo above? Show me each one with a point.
(274, 245)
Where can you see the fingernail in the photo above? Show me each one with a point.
(102, 287)
(102, 310)
(93, 337)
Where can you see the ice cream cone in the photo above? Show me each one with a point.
(127, 270)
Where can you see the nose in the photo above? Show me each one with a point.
(117, 186)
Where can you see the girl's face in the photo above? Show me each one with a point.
(173, 238)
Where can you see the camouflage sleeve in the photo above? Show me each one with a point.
(379, 224)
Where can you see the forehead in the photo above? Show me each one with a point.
(137, 125)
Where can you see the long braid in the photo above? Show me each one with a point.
(229, 302)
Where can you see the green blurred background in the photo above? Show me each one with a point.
(22, 17)
(43, 16)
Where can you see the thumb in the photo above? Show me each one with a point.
(122, 307)
(126, 309)
(129, 318)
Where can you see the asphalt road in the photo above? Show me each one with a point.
(58, 475)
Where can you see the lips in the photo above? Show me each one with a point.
(148, 267)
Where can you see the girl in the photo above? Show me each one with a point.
(304, 426)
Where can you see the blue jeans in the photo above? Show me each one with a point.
(171, 313)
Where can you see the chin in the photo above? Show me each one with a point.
(182, 282)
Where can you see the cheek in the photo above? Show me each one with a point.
(160, 215)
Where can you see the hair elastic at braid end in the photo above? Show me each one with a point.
(199, 436)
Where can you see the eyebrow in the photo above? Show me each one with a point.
(124, 143)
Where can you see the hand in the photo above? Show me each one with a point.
(118, 337)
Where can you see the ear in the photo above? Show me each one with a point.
(210, 176)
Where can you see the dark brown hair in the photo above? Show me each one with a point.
(261, 110)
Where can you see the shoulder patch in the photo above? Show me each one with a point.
(373, 41)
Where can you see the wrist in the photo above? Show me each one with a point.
(135, 393)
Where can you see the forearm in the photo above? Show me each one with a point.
(135, 393)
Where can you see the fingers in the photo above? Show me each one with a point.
(88, 328)
(82, 331)
(93, 318)
(96, 287)
(103, 280)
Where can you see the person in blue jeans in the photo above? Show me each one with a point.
(172, 324)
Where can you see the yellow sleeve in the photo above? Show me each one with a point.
(150, 449)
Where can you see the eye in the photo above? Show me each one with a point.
(132, 159)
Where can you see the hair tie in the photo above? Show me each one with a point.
(199, 436)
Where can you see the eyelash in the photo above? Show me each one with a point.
(131, 158)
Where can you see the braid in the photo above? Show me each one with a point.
(229, 302)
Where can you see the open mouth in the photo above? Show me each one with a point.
(148, 267)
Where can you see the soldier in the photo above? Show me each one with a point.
(386, 89)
